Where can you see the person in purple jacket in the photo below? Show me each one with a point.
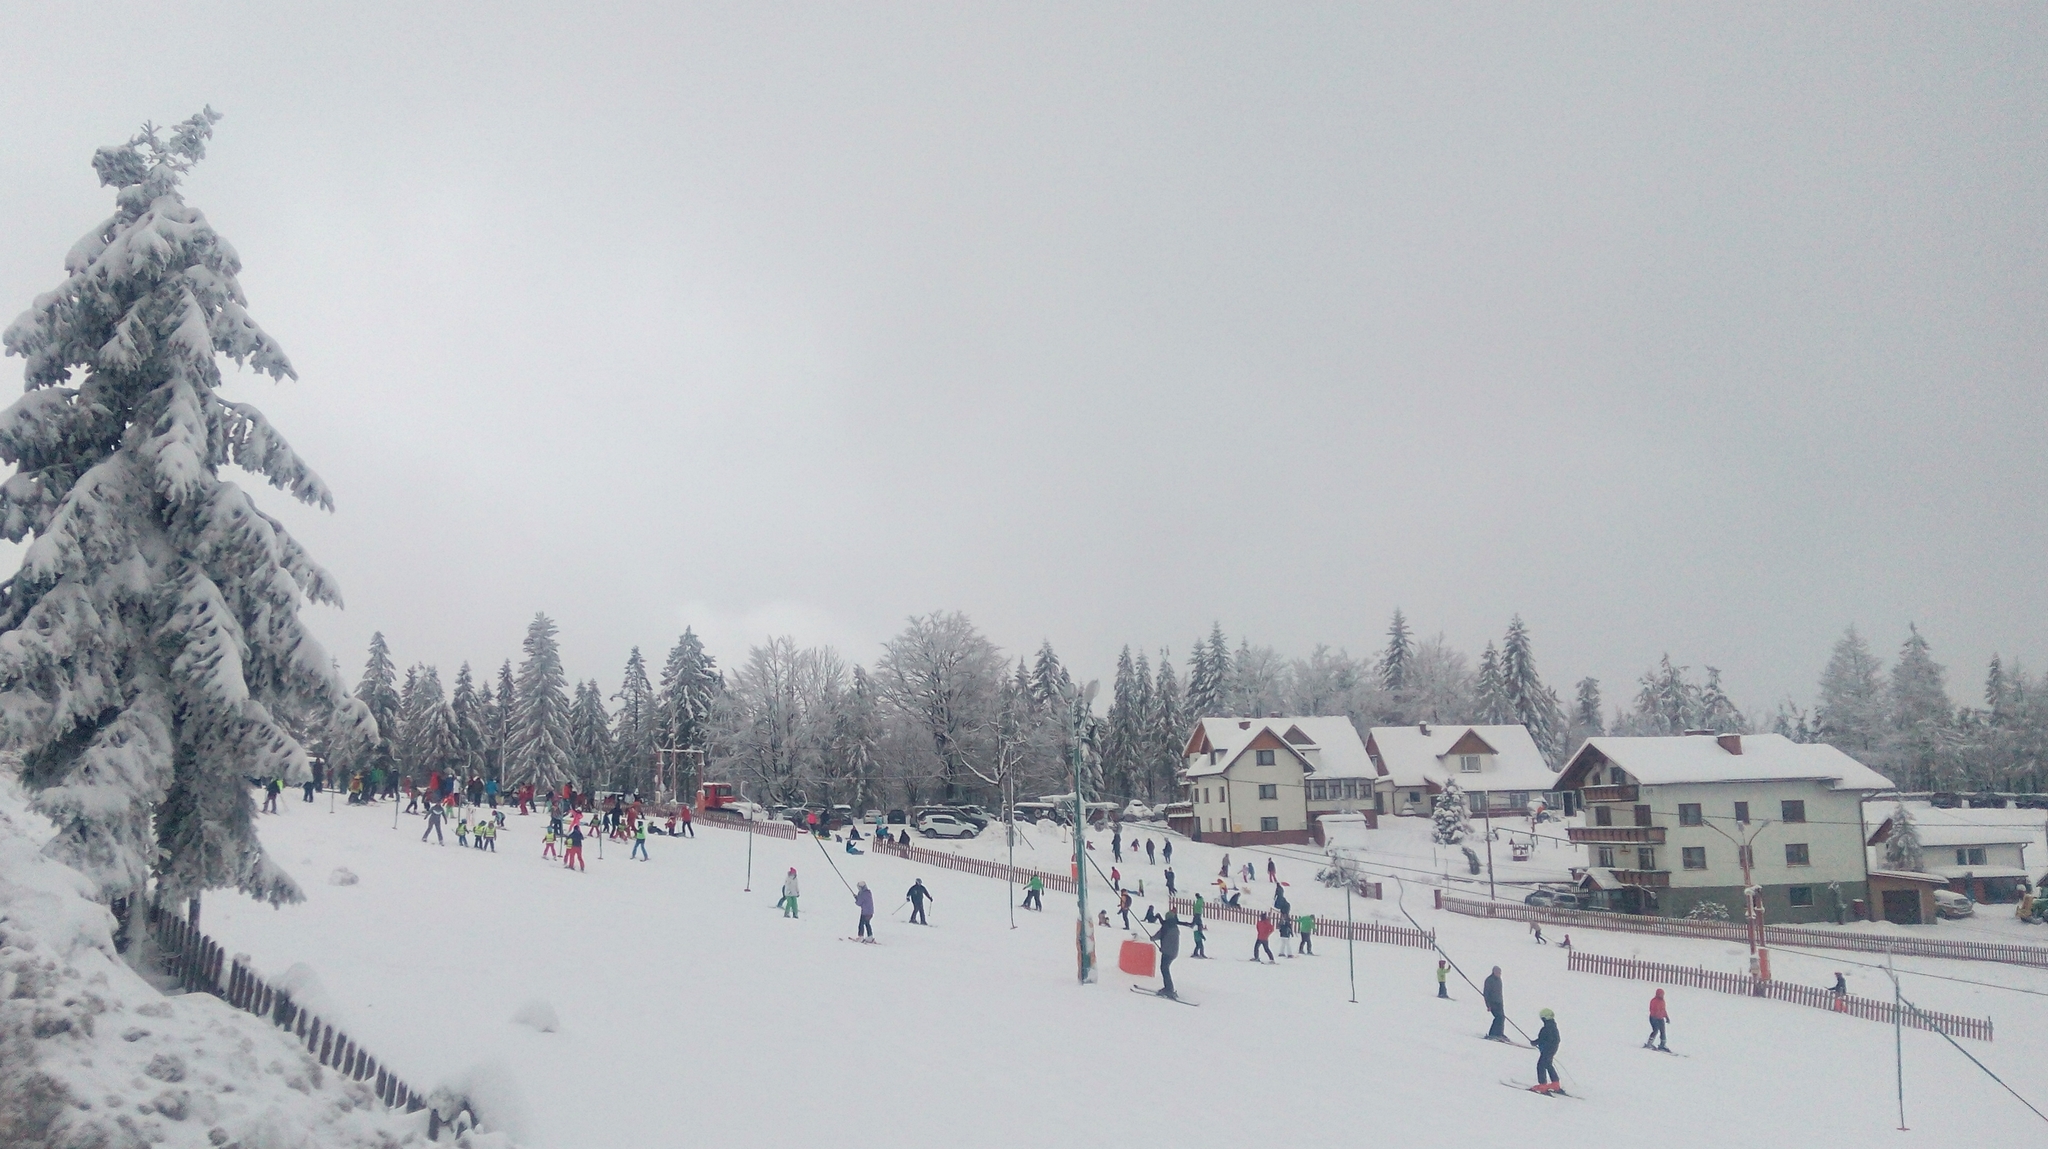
(865, 899)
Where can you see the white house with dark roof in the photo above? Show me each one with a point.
(1499, 768)
(1250, 781)
(1982, 854)
(1665, 820)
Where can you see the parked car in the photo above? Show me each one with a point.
(2031, 801)
(1949, 904)
(1555, 899)
(1944, 801)
(1986, 800)
(898, 818)
(1544, 898)
(939, 824)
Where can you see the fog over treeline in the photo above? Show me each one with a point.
(945, 714)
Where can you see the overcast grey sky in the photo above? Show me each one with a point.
(1686, 328)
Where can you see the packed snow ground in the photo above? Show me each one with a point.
(689, 1008)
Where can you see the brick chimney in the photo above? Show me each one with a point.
(1244, 724)
(1732, 743)
(1422, 728)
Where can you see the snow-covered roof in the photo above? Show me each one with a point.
(1416, 755)
(1655, 761)
(1910, 876)
(1959, 827)
(1328, 744)
(1953, 872)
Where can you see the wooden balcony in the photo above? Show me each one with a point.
(1592, 794)
(1658, 878)
(1617, 835)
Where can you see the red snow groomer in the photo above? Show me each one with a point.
(715, 796)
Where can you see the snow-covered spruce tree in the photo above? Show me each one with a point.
(537, 738)
(1492, 699)
(377, 689)
(591, 761)
(1208, 675)
(151, 654)
(1532, 704)
(471, 714)
(1122, 733)
(431, 734)
(690, 686)
(1169, 728)
(1394, 660)
(1851, 710)
(1453, 816)
(1902, 846)
(633, 728)
(498, 735)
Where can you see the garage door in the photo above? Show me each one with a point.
(1902, 907)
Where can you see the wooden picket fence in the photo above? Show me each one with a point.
(1376, 932)
(194, 961)
(1737, 931)
(763, 826)
(1743, 985)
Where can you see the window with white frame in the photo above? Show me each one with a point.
(1468, 763)
(1265, 757)
(1269, 792)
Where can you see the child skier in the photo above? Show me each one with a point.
(1659, 1018)
(487, 834)
(547, 845)
(462, 831)
(572, 858)
(789, 894)
(1265, 931)
(1286, 934)
(639, 842)
(1034, 893)
(1443, 971)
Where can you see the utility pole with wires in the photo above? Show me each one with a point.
(1752, 898)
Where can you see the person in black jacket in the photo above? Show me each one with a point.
(917, 894)
(1546, 1050)
(1168, 938)
(1495, 1007)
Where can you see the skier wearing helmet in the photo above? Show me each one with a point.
(1546, 1050)
(789, 894)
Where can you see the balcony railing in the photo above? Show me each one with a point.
(1617, 835)
(1658, 878)
(1593, 794)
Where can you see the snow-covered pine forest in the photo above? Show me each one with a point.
(944, 714)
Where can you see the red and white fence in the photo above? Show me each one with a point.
(1736, 931)
(1743, 985)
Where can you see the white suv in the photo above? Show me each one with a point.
(937, 825)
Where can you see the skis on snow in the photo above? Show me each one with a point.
(1528, 1087)
(1155, 993)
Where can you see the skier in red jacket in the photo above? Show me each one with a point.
(1659, 1017)
(1265, 931)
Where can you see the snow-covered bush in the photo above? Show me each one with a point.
(1707, 912)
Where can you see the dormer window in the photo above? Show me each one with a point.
(1468, 763)
(1265, 758)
